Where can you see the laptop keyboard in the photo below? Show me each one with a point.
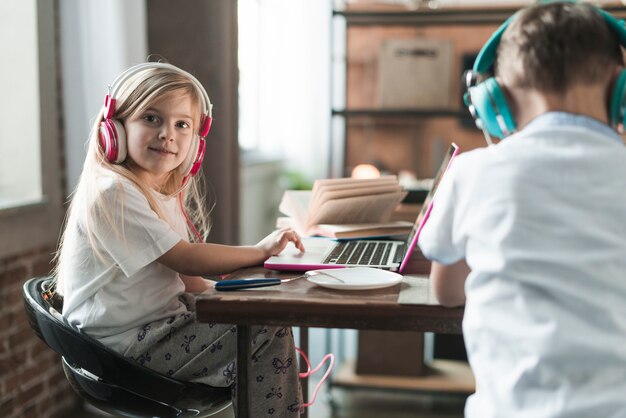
(361, 253)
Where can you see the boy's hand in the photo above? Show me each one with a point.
(275, 242)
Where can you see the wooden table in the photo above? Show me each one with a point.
(301, 303)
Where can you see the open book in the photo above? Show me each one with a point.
(345, 208)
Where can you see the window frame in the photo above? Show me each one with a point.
(29, 227)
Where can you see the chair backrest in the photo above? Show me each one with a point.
(106, 367)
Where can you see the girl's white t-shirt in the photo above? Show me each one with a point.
(114, 286)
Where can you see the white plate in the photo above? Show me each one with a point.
(354, 278)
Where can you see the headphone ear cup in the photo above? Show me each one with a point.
(617, 116)
(113, 140)
(490, 108)
(193, 162)
(197, 163)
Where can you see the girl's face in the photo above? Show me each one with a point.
(159, 138)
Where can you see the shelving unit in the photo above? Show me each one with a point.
(402, 139)
(366, 130)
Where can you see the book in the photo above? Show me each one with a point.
(345, 208)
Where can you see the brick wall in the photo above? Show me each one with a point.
(32, 382)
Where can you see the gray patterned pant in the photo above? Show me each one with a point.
(205, 353)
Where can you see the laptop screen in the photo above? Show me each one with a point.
(422, 217)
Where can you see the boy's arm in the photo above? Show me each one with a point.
(448, 282)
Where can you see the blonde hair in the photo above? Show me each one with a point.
(138, 93)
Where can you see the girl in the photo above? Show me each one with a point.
(126, 265)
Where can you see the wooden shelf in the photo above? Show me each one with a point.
(447, 376)
(444, 16)
(403, 113)
(465, 16)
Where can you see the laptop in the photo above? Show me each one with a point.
(391, 255)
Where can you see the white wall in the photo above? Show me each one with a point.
(259, 194)
(99, 39)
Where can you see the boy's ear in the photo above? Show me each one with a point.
(510, 99)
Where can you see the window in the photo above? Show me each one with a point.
(20, 157)
(284, 104)
(30, 179)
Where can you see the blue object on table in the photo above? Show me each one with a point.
(246, 283)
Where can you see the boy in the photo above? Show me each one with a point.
(530, 234)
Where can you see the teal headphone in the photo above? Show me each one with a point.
(486, 100)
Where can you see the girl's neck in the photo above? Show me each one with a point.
(150, 180)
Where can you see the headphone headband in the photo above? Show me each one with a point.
(487, 54)
(110, 99)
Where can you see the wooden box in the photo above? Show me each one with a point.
(391, 353)
(415, 73)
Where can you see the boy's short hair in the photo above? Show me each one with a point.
(550, 47)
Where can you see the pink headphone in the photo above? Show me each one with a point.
(113, 136)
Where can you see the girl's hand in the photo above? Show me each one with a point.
(275, 242)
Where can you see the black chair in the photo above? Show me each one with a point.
(106, 379)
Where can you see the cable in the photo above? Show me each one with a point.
(309, 372)
(189, 222)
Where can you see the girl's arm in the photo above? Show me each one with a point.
(200, 259)
(196, 284)
(448, 282)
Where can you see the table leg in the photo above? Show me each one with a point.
(304, 346)
(243, 370)
(329, 382)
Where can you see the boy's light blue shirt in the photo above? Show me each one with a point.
(539, 218)
(551, 119)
